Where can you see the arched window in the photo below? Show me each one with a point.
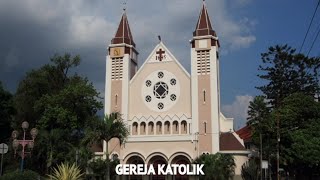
(143, 128)
(150, 128)
(204, 96)
(167, 127)
(135, 128)
(205, 127)
(116, 100)
(159, 127)
(183, 127)
(175, 127)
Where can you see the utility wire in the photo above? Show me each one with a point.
(314, 40)
(305, 37)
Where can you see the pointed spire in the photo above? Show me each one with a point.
(204, 27)
(123, 34)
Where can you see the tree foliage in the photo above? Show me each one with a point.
(6, 113)
(98, 167)
(25, 175)
(60, 103)
(216, 166)
(291, 91)
(250, 170)
(104, 130)
(287, 72)
(299, 145)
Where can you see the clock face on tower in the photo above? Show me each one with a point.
(160, 90)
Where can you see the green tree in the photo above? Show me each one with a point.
(6, 113)
(263, 125)
(105, 130)
(99, 166)
(250, 170)
(60, 103)
(216, 166)
(286, 72)
(299, 132)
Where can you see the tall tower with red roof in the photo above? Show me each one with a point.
(205, 83)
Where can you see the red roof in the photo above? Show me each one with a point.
(245, 133)
(204, 27)
(123, 34)
(228, 142)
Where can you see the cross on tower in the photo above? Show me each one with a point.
(160, 52)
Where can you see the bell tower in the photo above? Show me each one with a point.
(121, 66)
(205, 84)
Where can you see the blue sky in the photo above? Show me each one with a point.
(33, 30)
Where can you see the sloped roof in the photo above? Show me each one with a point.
(204, 26)
(245, 133)
(123, 34)
(228, 142)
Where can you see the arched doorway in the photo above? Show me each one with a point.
(180, 159)
(135, 160)
(155, 161)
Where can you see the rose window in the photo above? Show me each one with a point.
(160, 90)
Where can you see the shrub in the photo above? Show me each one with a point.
(66, 171)
(25, 175)
(250, 170)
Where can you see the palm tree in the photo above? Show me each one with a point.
(104, 130)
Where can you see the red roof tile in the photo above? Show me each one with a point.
(123, 34)
(228, 142)
(204, 27)
(245, 133)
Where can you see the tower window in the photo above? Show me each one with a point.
(204, 96)
(205, 127)
(117, 68)
(116, 99)
(203, 62)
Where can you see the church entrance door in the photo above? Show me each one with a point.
(155, 161)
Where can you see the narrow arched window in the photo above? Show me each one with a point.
(204, 96)
(116, 99)
(205, 127)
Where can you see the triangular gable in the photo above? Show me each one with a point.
(160, 54)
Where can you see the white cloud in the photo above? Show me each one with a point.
(242, 41)
(89, 30)
(238, 110)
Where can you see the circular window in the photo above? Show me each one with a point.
(148, 83)
(160, 90)
(160, 106)
(148, 98)
(173, 82)
(160, 74)
(173, 97)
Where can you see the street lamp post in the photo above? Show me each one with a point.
(23, 142)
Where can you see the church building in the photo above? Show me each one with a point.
(173, 116)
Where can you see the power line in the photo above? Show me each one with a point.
(305, 37)
(314, 40)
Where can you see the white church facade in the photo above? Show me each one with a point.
(173, 116)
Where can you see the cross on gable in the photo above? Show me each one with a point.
(161, 54)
